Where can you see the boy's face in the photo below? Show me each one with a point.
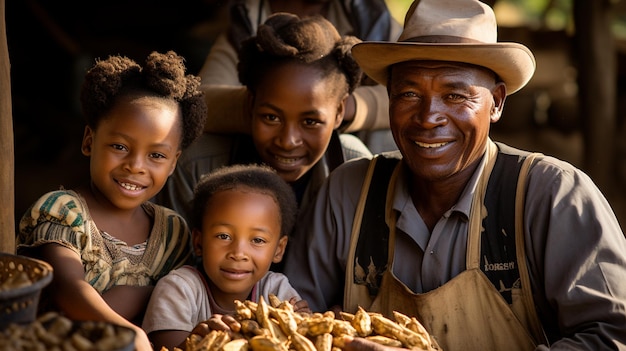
(239, 240)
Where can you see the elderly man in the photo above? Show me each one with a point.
(490, 247)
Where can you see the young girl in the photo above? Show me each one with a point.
(299, 74)
(106, 243)
(240, 220)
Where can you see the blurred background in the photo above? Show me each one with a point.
(573, 108)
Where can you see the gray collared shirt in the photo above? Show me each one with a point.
(439, 255)
(575, 247)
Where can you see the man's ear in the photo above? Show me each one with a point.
(87, 141)
(499, 96)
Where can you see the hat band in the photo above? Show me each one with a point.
(446, 39)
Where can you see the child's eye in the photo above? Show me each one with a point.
(310, 122)
(271, 118)
(223, 236)
(118, 147)
(157, 155)
(259, 241)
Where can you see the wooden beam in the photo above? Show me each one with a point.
(7, 163)
(597, 84)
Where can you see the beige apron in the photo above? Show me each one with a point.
(466, 313)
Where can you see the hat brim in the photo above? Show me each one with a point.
(513, 63)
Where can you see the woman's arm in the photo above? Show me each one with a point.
(371, 109)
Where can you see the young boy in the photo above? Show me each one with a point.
(240, 220)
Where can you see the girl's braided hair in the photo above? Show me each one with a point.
(163, 75)
(285, 38)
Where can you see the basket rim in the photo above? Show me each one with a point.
(37, 285)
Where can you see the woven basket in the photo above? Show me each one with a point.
(19, 304)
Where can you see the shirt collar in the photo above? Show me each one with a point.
(464, 205)
(409, 220)
(402, 198)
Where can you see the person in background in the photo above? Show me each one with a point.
(240, 220)
(108, 245)
(366, 107)
(490, 247)
(298, 73)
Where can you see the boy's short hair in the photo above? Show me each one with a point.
(260, 178)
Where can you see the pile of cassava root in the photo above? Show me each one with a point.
(275, 326)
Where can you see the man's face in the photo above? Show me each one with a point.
(440, 115)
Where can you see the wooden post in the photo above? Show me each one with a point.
(7, 196)
(597, 81)
(7, 160)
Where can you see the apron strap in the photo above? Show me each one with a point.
(478, 211)
(391, 216)
(356, 228)
(370, 233)
(529, 305)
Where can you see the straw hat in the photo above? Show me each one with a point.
(449, 30)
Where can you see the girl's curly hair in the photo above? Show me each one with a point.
(285, 38)
(163, 75)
